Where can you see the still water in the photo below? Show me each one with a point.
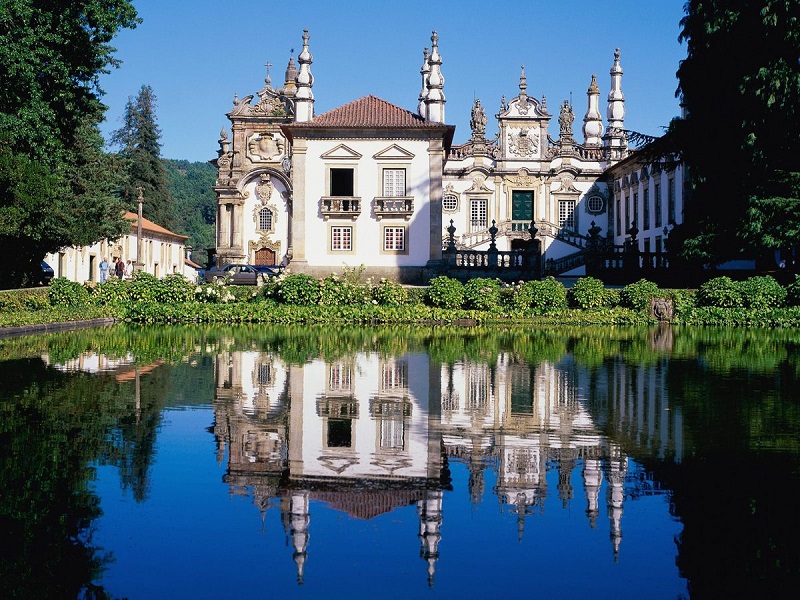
(400, 463)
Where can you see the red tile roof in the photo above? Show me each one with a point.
(148, 225)
(372, 112)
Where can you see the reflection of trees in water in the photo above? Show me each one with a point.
(53, 427)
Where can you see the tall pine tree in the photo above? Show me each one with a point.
(139, 140)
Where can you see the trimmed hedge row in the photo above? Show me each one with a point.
(296, 298)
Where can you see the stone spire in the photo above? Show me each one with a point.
(593, 121)
(304, 98)
(289, 85)
(435, 100)
(615, 140)
(429, 511)
(422, 108)
(299, 511)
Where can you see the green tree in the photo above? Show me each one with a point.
(740, 139)
(140, 149)
(55, 185)
(191, 184)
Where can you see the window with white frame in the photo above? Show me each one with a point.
(671, 200)
(657, 204)
(394, 182)
(265, 219)
(450, 202)
(394, 239)
(646, 209)
(478, 210)
(341, 239)
(566, 214)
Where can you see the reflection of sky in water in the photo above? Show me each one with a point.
(194, 540)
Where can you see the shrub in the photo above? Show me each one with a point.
(142, 287)
(762, 292)
(638, 295)
(299, 289)
(390, 293)
(611, 298)
(36, 302)
(214, 293)
(793, 292)
(173, 289)
(63, 292)
(343, 292)
(721, 292)
(588, 292)
(112, 291)
(444, 292)
(683, 301)
(549, 294)
(481, 293)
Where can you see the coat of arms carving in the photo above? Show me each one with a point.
(264, 188)
(262, 147)
(523, 143)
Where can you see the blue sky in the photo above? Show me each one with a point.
(196, 54)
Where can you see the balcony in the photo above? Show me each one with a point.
(394, 206)
(340, 206)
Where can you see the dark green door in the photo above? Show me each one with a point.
(521, 209)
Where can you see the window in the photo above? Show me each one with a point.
(341, 239)
(566, 214)
(647, 244)
(450, 202)
(477, 214)
(619, 217)
(636, 209)
(394, 239)
(394, 182)
(646, 209)
(657, 202)
(264, 374)
(671, 201)
(342, 182)
(659, 244)
(265, 219)
(595, 204)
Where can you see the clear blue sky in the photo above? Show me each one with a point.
(196, 53)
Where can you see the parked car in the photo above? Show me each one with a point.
(241, 274)
(46, 274)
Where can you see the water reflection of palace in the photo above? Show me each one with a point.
(368, 434)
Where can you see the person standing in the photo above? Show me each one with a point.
(120, 268)
(129, 270)
(103, 270)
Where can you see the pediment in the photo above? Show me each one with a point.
(341, 152)
(393, 152)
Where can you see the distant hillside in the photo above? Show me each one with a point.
(195, 203)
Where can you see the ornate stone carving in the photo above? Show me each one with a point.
(263, 147)
(264, 242)
(522, 179)
(478, 120)
(567, 185)
(264, 188)
(523, 143)
(478, 185)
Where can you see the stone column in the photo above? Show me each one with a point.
(297, 247)
(436, 166)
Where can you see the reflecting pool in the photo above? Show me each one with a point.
(397, 462)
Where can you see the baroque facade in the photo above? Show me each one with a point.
(373, 184)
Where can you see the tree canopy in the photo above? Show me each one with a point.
(740, 138)
(57, 187)
(139, 140)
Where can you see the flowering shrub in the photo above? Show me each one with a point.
(482, 294)
(389, 293)
(342, 292)
(588, 292)
(63, 292)
(173, 288)
(762, 292)
(638, 295)
(722, 292)
(793, 292)
(213, 293)
(444, 292)
(299, 289)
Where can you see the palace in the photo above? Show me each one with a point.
(373, 184)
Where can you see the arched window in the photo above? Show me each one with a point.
(265, 219)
